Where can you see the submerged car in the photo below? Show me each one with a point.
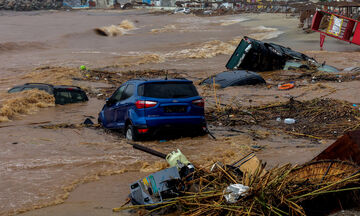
(234, 78)
(63, 94)
(144, 107)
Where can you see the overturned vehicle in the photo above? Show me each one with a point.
(255, 55)
(252, 56)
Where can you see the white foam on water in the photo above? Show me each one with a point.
(265, 33)
(233, 21)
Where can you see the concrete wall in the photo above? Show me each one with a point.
(25, 5)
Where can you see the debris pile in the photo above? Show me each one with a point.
(285, 190)
(310, 74)
(317, 118)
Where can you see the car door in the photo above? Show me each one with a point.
(111, 106)
(123, 106)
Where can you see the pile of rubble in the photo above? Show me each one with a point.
(317, 118)
(27, 5)
(318, 187)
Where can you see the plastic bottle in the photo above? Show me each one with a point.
(289, 121)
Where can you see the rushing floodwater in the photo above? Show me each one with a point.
(38, 166)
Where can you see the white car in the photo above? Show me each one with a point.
(182, 10)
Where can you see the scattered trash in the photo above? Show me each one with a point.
(235, 78)
(88, 121)
(289, 121)
(278, 119)
(234, 191)
(256, 147)
(334, 115)
(293, 65)
(83, 67)
(286, 86)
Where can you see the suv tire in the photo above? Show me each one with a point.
(130, 133)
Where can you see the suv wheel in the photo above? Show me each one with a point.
(130, 133)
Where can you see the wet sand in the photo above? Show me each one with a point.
(42, 167)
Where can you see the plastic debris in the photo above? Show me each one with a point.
(83, 67)
(88, 122)
(289, 121)
(234, 191)
(286, 86)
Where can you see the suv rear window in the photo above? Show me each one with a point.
(65, 97)
(167, 90)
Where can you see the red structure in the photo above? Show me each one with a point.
(345, 148)
(340, 27)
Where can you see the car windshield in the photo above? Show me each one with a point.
(168, 90)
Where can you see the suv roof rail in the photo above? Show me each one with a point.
(38, 84)
(71, 86)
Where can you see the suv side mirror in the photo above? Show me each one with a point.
(109, 101)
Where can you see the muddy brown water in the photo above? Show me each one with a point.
(40, 167)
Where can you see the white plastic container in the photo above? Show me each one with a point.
(175, 156)
(289, 121)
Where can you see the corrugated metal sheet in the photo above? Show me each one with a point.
(346, 147)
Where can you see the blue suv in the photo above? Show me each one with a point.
(144, 107)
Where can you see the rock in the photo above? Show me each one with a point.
(27, 5)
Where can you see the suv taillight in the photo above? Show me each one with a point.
(199, 102)
(140, 104)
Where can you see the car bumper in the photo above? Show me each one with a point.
(171, 124)
(174, 121)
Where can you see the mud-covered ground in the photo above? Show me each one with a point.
(43, 166)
